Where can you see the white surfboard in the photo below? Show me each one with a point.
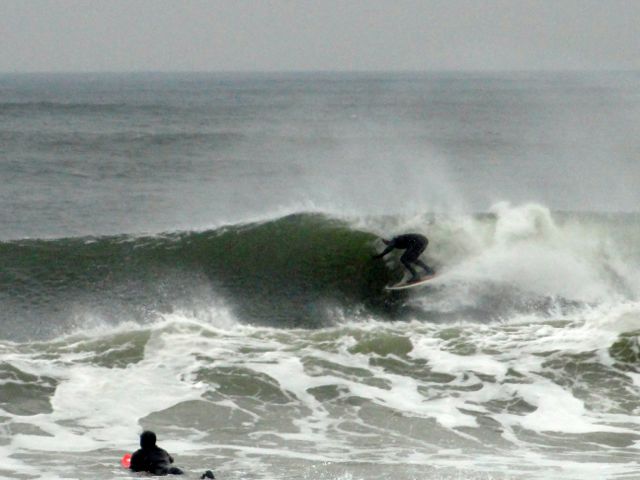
(403, 286)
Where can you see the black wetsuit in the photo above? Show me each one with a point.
(151, 458)
(413, 244)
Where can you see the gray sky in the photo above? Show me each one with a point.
(215, 35)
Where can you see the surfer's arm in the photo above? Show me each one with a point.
(384, 252)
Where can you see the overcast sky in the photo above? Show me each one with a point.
(268, 35)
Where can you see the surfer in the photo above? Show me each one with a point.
(151, 458)
(413, 244)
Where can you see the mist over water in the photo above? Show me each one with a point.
(201, 246)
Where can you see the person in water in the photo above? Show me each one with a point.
(151, 458)
(413, 244)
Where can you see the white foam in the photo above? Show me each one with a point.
(483, 364)
(85, 398)
(446, 362)
(556, 410)
(95, 407)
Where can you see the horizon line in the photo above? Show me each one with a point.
(320, 71)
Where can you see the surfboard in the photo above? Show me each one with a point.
(404, 286)
(125, 461)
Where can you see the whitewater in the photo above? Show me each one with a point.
(192, 254)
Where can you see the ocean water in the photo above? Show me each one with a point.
(191, 254)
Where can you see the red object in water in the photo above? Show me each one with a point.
(125, 461)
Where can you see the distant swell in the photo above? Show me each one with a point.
(76, 108)
(119, 142)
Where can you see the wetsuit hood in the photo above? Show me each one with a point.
(147, 439)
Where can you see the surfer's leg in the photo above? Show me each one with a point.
(406, 261)
(413, 256)
(425, 267)
(166, 470)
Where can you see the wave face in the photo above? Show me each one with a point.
(311, 270)
(285, 272)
